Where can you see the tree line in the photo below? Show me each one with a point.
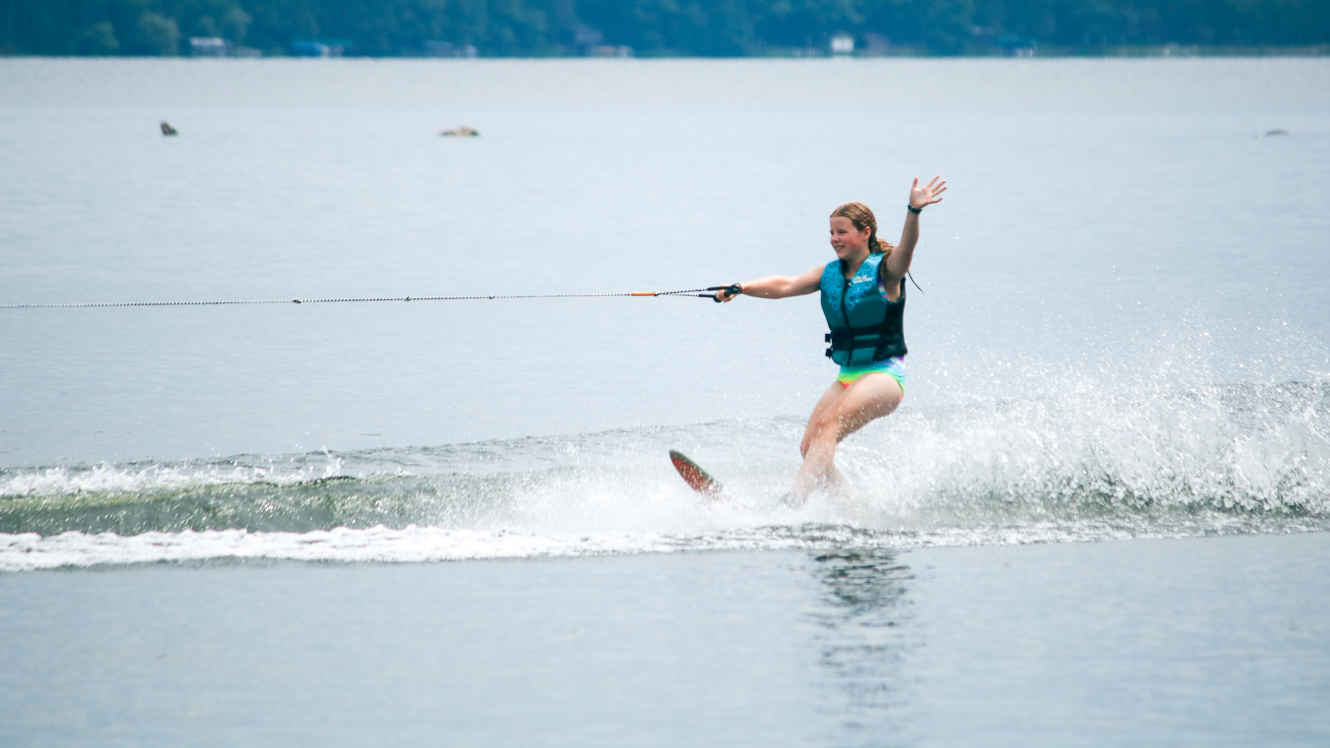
(715, 28)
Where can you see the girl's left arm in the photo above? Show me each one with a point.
(898, 262)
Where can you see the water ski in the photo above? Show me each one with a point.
(696, 478)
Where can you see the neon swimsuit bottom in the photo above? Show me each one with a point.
(893, 367)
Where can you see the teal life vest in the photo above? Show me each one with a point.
(865, 327)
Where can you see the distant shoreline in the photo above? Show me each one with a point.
(1044, 52)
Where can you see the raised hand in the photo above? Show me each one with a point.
(928, 194)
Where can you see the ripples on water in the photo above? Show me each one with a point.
(863, 637)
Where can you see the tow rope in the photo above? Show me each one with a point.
(729, 291)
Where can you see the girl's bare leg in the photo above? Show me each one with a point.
(824, 404)
(836, 416)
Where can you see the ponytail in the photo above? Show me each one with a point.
(877, 246)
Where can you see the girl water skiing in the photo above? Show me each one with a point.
(863, 298)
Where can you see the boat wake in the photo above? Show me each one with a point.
(1233, 459)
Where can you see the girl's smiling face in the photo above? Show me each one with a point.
(847, 240)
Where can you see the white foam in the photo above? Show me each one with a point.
(415, 544)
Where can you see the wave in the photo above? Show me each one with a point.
(1242, 458)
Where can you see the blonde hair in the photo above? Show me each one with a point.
(863, 218)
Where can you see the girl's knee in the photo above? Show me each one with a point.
(820, 429)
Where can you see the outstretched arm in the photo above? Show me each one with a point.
(898, 264)
(779, 286)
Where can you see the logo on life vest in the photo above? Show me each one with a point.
(863, 279)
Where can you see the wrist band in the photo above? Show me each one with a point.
(913, 209)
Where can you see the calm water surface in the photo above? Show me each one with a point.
(1215, 641)
(1111, 224)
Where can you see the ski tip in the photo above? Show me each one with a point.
(696, 478)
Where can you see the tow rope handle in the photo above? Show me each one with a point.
(730, 290)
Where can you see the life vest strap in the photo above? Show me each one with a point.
(854, 338)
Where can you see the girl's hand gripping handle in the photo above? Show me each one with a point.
(726, 293)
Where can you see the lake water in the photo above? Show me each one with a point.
(1123, 334)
